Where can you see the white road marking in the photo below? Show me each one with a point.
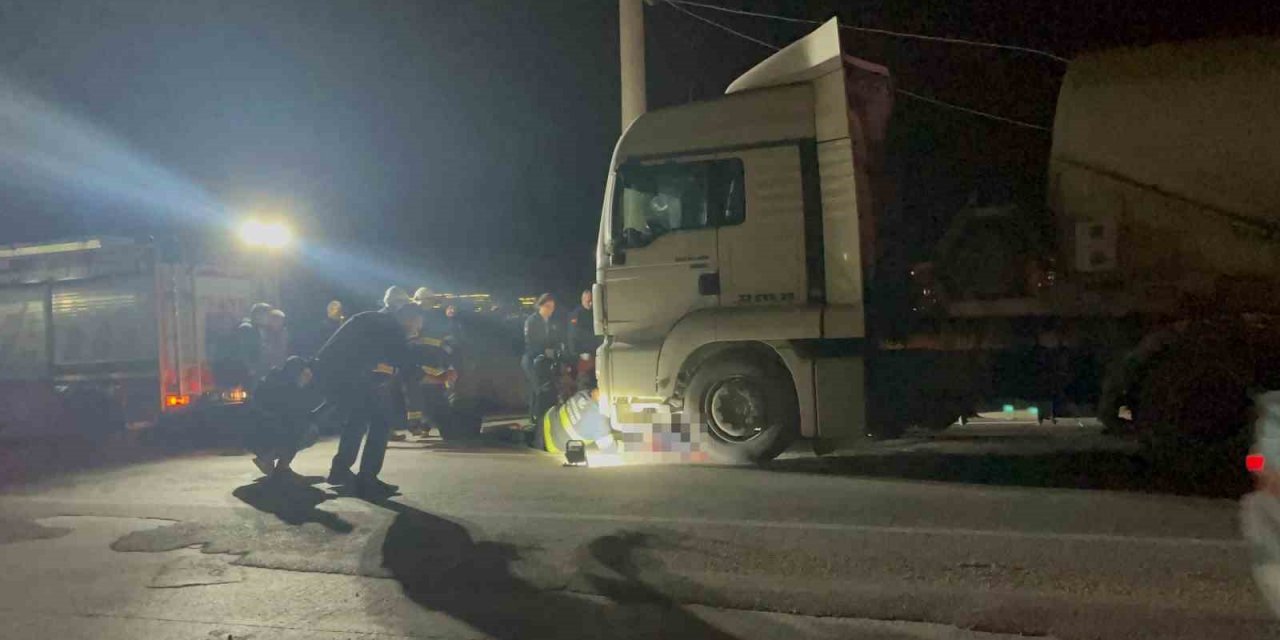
(1220, 543)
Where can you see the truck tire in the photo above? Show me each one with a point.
(1194, 393)
(745, 410)
(1193, 413)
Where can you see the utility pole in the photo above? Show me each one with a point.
(631, 46)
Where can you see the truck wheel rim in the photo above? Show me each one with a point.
(735, 410)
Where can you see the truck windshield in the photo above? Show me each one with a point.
(656, 199)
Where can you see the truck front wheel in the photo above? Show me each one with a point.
(1195, 393)
(745, 409)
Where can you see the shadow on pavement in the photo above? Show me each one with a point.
(494, 441)
(27, 460)
(293, 501)
(1210, 476)
(441, 568)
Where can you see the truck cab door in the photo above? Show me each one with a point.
(662, 258)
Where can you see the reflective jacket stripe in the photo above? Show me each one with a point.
(567, 425)
(547, 435)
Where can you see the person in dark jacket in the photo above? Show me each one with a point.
(354, 370)
(543, 342)
(247, 346)
(282, 408)
(319, 332)
(583, 342)
(334, 316)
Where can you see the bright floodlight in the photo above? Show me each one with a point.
(270, 235)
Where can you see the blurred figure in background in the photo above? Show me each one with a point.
(318, 333)
(392, 386)
(454, 338)
(433, 320)
(246, 357)
(543, 344)
(583, 343)
(427, 398)
(334, 316)
(275, 341)
(453, 324)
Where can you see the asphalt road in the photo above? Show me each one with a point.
(985, 532)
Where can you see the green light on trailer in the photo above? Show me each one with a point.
(1008, 408)
(1035, 411)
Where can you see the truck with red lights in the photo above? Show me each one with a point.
(103, 333)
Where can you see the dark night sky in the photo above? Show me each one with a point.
(471, 137)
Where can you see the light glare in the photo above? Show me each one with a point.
(270, 235)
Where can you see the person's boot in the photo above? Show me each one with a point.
(367, 487)
(264, 465)
(285, 474)
(340, 476)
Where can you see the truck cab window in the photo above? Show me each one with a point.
(657, 199)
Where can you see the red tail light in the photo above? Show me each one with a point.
(174, 400)
(1255, 462)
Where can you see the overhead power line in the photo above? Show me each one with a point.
(675, 4)
(885, 32)
(984, 114)
(677, 7)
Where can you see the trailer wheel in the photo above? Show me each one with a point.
(745, 409)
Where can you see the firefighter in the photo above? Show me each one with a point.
(583, 342)
(432, 391)
(429, 398)
(577, 418)
(392, 385)
(356, 371)
(394, 298)
(543, 345)
(433, 318)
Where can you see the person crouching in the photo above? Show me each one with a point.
(281, 409)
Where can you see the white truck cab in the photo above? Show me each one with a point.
(730, 261)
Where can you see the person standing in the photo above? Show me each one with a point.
(434, 323)
(318, 332)
(543, 341)
(247, 346)
(430, 392)
(275, 341)
(454, 339)
(355, 370)
(453, 324)
(334, 316)
(583, 342)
